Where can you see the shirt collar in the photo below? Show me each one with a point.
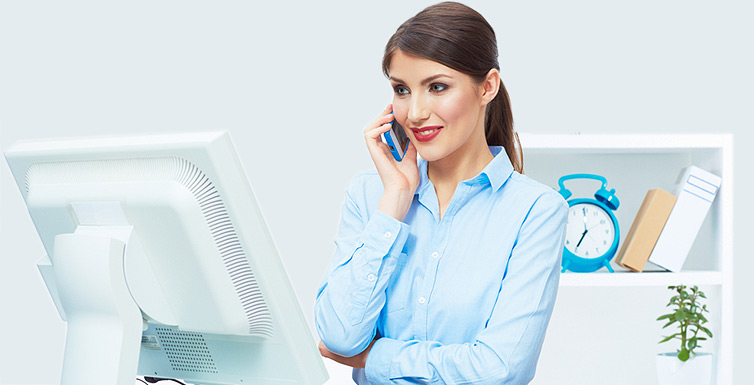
(495, 173)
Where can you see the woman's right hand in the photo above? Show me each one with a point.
(399, 179)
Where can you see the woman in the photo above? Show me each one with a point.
(446, 271)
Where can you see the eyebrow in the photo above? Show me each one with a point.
(423, 82)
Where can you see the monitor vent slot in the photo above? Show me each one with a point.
(209, 200)
(187, 352)
(236, 263)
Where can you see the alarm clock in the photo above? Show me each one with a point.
(592, 232)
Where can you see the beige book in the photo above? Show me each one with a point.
(646, 229)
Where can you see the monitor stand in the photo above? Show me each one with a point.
(104, 322)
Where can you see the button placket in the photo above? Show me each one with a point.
(421, 309)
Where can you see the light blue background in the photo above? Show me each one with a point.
(296, 81)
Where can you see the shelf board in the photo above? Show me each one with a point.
(622, 278)
(630, 143)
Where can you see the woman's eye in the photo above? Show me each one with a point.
(400, 90)
(438, 87)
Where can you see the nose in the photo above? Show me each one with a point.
(418, 110)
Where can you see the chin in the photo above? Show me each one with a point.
(429, 155)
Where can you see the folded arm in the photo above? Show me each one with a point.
(507, 350)
(352, 295)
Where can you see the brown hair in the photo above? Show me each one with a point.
(458, 37)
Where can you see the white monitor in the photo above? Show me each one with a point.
(161, 263)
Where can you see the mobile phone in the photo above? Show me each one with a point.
(397, 140)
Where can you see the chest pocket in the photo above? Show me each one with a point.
(400, 284)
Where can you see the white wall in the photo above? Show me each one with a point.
(295, 82)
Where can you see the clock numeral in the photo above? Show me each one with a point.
(602, 221)
(587, 253)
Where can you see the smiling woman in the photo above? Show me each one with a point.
(447, 105)
(446, 268)
(459, 38)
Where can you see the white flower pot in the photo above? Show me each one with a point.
(697, 370)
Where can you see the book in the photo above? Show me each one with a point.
(645, 229)
(696, 190)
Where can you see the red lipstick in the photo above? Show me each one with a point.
(427, 133)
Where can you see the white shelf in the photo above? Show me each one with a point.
(633, 164)
(629, 279)
(622, 143)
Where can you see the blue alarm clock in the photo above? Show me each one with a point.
(592, 232)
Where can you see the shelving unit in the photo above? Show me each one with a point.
(624, 279)
(603, 329)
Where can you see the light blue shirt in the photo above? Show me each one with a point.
(465, 299)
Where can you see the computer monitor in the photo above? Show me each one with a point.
(161, 263)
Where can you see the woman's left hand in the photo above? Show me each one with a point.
(358, 361)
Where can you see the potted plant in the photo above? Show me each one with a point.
(685, 366)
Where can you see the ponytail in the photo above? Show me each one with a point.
(498, 126)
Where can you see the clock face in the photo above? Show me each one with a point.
(590, 231)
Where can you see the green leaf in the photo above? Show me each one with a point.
(670, 337)
(662, 317)
(691, 343)
(669, 323)
(680, 315)
(709, 333)
(683, 355)
(666, 339)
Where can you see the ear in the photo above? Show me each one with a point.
(490, 86)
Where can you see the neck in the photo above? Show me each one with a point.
(463, 164)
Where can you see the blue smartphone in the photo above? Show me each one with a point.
(397, 140)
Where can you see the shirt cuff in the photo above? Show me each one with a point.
(380, 359)
(383, 231)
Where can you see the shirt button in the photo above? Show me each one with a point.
(388, 234)
(371, 277)
(435, 255)
(422, 300)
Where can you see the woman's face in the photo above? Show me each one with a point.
(441, 109)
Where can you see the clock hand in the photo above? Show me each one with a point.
(583, 209)
(582, 238)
